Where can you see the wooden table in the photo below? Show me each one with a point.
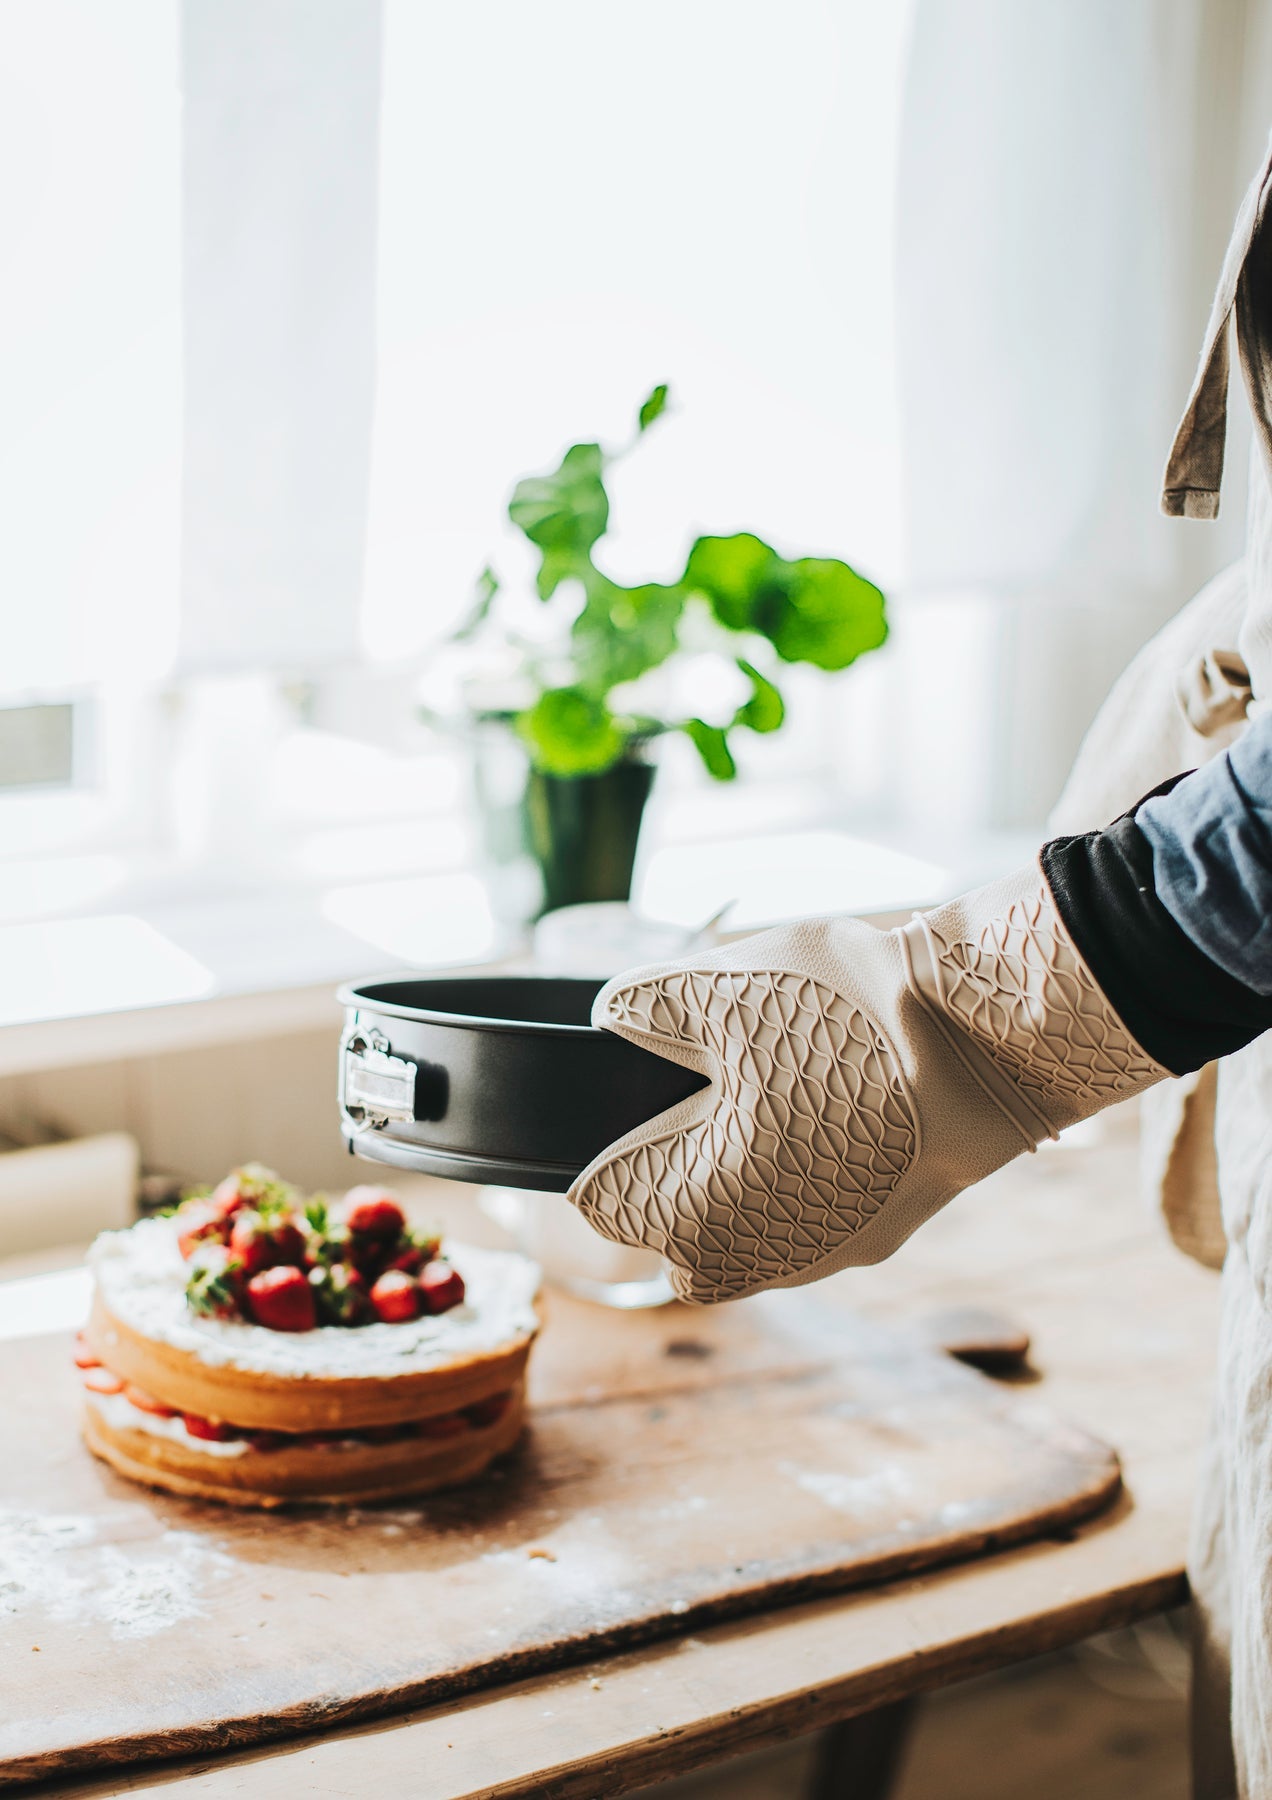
(1122, 1327)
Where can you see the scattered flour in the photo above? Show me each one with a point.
(877, 1491)
(60, 1566)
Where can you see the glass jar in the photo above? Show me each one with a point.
(573, 1256)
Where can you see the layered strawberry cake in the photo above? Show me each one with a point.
(260, 1349)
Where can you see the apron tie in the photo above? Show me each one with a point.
(1214, 691)
(1194, 471)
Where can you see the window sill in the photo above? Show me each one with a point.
(182, 973)
(159, 978)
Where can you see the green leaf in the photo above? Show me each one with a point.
(653, 407)
(817, 610)
(829, 615)
(560, 565)
(766, 709)
(623, 632)
(571, 732)
(568, 510)
(712, 744)
(484, 591)
(317, 1215)
(732, 572)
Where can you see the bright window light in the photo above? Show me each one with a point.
(68, 968)
(90, 385)
(429, 922)
(581, 200)
(792, 875)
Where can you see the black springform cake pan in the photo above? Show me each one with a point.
(492, 1078)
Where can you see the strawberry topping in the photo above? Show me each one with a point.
(265, 1240)
(146, 1402)
(101, 1381)
(334, 1265)
(253, 1185)
(227, 1198)
(197, 1223)
(395, 1297)
(216, 1431)
(282, 1299)
(341, 1294)
(441, 1287)
(485, 1412)
(84, 1358)
(374, 1212)
(415, 1249)
(446, 1425)
(215, 1287)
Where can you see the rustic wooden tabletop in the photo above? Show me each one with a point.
(1122, 1329)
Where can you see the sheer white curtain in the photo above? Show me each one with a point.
(280, 190)
(90, 345)
(1068, 173)
(580, 200)
(293, 292)
(238, 228)
(187, 269)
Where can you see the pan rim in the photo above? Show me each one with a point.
(353, 996)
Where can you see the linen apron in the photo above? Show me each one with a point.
(1184, 698)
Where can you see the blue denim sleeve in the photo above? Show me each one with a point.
(1211, 837)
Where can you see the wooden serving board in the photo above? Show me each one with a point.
(682, 1466)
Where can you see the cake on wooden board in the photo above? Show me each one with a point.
(255, 1349)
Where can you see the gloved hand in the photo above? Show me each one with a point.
(859, 1079)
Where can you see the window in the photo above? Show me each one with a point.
(301, 292)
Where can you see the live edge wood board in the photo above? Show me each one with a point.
(682, 1466)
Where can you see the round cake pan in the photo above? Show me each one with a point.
(493, 1078)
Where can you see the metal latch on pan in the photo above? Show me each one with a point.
(375, 1086)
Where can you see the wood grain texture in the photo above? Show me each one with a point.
(1123, 1332)
(795, 1449)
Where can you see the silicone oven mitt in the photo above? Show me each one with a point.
(858, 1080)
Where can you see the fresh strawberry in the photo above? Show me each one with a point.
(441, 1287)
(227, 1198)
(413, 1250)
(370, 1257)
(383, 1434)
(341, 1294)
(487, 1411)
(215, 1287)
(375, 1213)
(198, 1223)
(395, 1297)
(263, 1240)
(282, 1300)
(84, 1357)
(101, 1381)
(216, 1431)
(147, 1403)
(253, 1185)
(445, 1425)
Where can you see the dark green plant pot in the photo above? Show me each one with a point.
(582, 831)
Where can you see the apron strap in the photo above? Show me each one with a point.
(1194, 471)
(1214, 692)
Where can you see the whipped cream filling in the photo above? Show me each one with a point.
(141, 1276)
(121, 1415)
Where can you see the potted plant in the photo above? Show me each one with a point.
(564, 705)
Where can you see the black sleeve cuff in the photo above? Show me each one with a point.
(1178, 1005)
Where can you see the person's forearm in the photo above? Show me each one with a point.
(1211, 839)
(1115, 891)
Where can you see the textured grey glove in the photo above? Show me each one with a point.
(858, 1080)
